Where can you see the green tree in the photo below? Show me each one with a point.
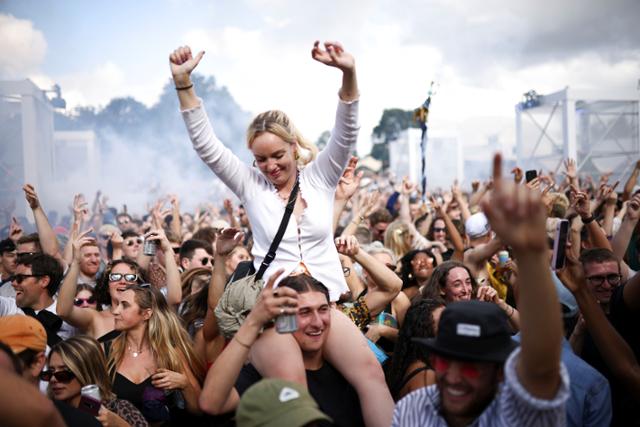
(392, 122)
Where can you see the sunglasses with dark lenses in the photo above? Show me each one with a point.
(204, 261)
(24, 255)
(19, 278)
(114, 277)
(64, 376)
(438, 229)
(79, 301)
(134, 241)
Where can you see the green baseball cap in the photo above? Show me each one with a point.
(274, 402)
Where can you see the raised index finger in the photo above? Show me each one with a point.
(497, 171)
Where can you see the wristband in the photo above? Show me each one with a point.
(184, 87)
(588, 220)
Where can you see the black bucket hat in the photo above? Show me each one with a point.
(474, 331)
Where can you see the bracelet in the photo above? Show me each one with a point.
(588, 220)
(248, 347)
(512, 310)
(184, 87)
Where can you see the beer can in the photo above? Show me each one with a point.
(92, 391)
(150, 247)
(286, 323)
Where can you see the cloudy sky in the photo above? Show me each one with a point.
(483, 54)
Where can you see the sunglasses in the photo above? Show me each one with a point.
(114, 277)
(64, 376)
(134, 241)
(79, 301)
(105, 236)
(439, 229)
(467, 370)
(19, 278)
(391, 267)
(205, 261)
(23, 255)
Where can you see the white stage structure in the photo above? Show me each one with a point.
(600, 130)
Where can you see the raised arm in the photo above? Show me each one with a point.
(330, 163)
(459, 198)
(218, 393)
(228, 239)
(620, 241)
(176, 224)
(631, 182)
(174, 287)
(614, 349)
(388, 284)
(347, 186)
(518, 216)
(48, 239)
(452, 230)
(78, 317)
(583, 207)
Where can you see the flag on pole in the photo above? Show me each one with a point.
(421, 117)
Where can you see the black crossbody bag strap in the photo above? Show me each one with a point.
(288, 210)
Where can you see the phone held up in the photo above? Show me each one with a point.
(530, 175)
(560, 245)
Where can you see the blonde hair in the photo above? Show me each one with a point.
(394, 238)
(278, 123)
(169, 342)
(83, 356)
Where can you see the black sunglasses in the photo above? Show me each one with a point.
(79, 301)
(23, 255)
(64, 376)
(114, 277)
(134, 241)
(19, 278)
(438, 229)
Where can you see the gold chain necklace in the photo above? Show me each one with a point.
(134, 353)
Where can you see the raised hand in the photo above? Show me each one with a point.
(570, 170)
(228, 239)
(80, 209)
(350, 181)
(347, 245)
(79, 241)
(408, 187)
(160, 237)
(228, 206)
(517, 175)
(633, 208)
(182, 63)
(271, 303)
(31, 196)
(116, 240)
(15, 230)
(333, 55)
(516, 213)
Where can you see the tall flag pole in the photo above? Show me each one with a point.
(421, 117)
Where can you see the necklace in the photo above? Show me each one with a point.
(134, 353)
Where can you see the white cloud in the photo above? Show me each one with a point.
(22, 49)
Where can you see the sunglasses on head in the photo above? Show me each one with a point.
(114, 277)
(64, 376)
(19, 278)
(134, 241)
(79, 301)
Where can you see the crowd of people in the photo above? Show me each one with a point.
(320, 300)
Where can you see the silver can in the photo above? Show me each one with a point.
(150, 247)
(286, 323)
(92, 391)
(503, 258)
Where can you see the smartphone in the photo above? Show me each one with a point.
(286, 323)
(560, 245)
(530, 175)
(89, 405)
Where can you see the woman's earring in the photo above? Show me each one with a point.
(254, 163)
(296, 156)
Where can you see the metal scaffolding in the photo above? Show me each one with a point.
(599, 130)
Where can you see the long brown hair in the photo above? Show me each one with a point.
(168, 340)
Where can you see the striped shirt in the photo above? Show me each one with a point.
(513, 405)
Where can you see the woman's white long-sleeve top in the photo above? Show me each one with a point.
(309, 240)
